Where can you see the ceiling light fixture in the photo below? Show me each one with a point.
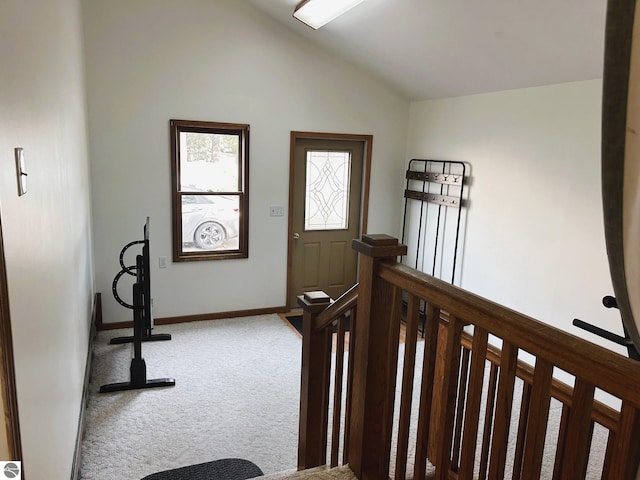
(317, 13)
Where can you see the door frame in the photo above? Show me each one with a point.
(7, 365)
(367, 144)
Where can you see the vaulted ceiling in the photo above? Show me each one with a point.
(444, 48)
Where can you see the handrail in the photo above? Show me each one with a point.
(451, 418)
(320, 314)
(454, 382)
(609, 370)
(340, 306)
(602, 413)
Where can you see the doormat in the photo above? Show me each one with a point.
(227, 468)
(296, 322)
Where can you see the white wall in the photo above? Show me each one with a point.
(47, 232)
(534, 231)
(217, 60)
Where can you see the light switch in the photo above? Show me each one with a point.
(21, 171)
(276, 211)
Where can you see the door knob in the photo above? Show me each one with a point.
(296, 236)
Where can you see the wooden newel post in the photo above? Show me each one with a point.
(375, 359)
(314, 385)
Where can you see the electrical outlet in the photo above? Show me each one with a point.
(162, 262)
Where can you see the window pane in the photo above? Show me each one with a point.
(209, 162)
(210, 198)
(327, 190)
(210, 222)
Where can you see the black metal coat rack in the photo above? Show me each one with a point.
(432, 214)
(433, 200)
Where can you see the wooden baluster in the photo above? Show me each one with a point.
(575, 457)
(609, 455)
(488, 421)
(440, 340)
(561, 443)
(413, 314)
(472, 409)
(504, 403)
(375, 360)
(314, 385)
(463, 384)
(347, 413)
(625, 459)
(525, 405)
(394, 319)
(337, 391)
(424, 432)
(446, 419)
(537, 420)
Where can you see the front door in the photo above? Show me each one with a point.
(325, 215)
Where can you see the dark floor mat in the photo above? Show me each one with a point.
(225, 469)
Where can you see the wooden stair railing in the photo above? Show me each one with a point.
(467, 420)
(320, 314)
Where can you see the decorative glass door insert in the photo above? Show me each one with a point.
(327, 190)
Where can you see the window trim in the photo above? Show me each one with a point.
(242, 130)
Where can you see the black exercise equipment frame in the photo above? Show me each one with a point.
(141, 318)
(610, 302)
(147, 336)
